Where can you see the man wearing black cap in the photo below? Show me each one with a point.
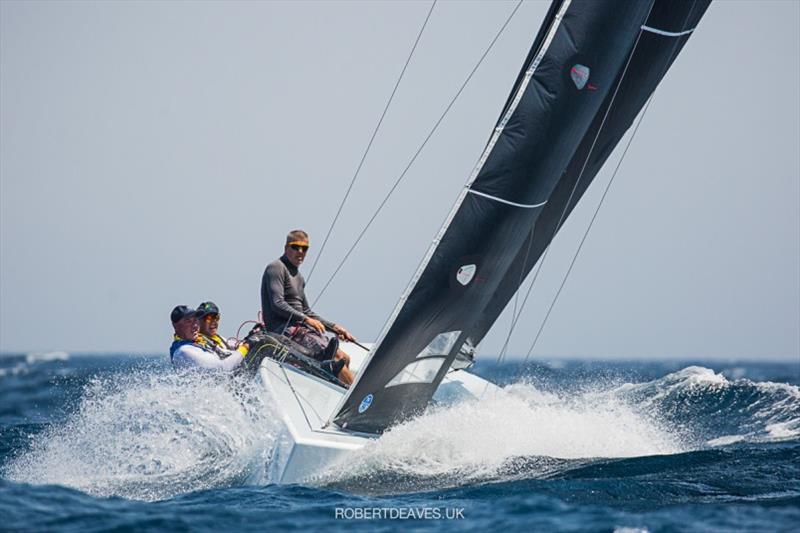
(190, 349)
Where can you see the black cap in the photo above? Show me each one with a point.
(182, 311)
(207, 308)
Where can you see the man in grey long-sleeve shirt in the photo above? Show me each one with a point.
(285, 308)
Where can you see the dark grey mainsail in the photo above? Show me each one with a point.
(590, 70)
(664, 35)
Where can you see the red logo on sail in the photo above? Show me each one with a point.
(465, 274)
(580, 76)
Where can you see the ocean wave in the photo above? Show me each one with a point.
(522, 431)
(16, 370)
(152, 435)
(43, 357)
(528, 432)
(716, 411)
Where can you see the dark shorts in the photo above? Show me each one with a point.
(308, 338)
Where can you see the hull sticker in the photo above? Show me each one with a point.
(365, 403)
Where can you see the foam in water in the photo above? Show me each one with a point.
(716, 411)
(151, 436)
(478, 439)
(726, 440)
(39, 357)
(544, 432)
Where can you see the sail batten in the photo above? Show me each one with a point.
(546, 147)
(667, 33)
(507, 202)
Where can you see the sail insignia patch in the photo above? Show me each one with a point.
(580, 75)
(365, 403)
(465, 274)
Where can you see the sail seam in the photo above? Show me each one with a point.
(508, 202)
(667, 33)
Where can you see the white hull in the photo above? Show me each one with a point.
(306, 447)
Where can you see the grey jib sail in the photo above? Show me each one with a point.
(590, 70)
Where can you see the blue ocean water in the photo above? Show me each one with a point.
(98, 443)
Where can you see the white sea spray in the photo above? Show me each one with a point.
(479, 439)
(151, 435)
(526, 430)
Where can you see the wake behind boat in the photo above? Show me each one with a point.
(590, 71)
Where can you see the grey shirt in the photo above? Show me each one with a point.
(283, 296)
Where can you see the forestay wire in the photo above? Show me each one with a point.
(416, 154)
(369, 144)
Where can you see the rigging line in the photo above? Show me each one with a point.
(586, 233)
(516, 294)
(414, 158)
(577, 182)
(369, 144)
(516, 316)
(504, 349)
(608, 186)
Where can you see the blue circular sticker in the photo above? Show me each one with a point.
(365, 403)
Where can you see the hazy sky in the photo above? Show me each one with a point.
(156, 153)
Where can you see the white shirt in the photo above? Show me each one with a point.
(192, 356)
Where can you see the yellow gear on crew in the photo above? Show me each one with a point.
(202, 340)
(219, 341)
(197, 340)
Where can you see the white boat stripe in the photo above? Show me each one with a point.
(496, 199)
(667, 33)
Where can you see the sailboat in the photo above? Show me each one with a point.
(590, 70)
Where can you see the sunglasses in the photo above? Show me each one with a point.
(211, 318)
(299, 247)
